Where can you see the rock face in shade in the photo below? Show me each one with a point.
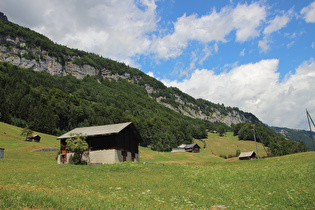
(3, 17)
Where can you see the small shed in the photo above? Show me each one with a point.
(247, 156)
(195, 148)
(1, 152)
(107, 144)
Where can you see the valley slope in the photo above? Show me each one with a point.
(33, 180)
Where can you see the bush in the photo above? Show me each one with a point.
(238, 152)
(78, 146)
(223, 156)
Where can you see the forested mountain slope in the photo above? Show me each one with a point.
(54, 105)
(27, 49)
(296, 135)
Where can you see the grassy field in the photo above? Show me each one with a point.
(33, 180)
(215, 146)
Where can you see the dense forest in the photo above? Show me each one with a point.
(276, 145)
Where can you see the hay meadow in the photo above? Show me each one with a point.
(33, 180)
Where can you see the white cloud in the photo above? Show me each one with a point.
(289, 45)
(255, 87)
(150, 73)
(309, 13)
(194, 58)
(276, 24)
(263, 44)
(214, 27)
(242, 53)
(246, 19)
(207, 52)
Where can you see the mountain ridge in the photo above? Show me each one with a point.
(28, 49)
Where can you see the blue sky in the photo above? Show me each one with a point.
(255, 55)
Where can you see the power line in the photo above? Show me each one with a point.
(255, 141)
(309, 118)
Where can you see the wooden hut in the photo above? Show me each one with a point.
(195, 148)
(247, 156)
(107, 144)
(1, 152)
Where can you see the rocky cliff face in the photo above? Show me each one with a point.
(194, 111)
(15, 52)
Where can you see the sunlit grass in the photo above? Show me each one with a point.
(167, 180)
(228, 144)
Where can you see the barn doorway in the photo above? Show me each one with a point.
(124, 154)
(63, 158)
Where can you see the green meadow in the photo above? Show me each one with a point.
(33, 180)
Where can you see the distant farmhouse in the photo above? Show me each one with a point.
(247, 156)
(107, 144)
(195, 148)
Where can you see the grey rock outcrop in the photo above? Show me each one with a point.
(15, 49)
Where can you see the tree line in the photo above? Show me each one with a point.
(276, 145)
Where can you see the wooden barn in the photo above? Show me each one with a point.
(107, 144)
(1, 152)
(247, 156)
(195, 148)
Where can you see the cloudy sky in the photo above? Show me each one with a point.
(255, 55)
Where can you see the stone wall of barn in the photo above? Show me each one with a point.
(109, 156)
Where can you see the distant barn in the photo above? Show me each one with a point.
(1, 152)
(247, 156)
(195, 148)
(107, 144)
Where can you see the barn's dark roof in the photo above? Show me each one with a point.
(100, 130)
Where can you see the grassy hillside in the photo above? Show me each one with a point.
(34, 180)
(216, 146)
(228, 144)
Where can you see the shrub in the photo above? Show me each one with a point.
(78, 146)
